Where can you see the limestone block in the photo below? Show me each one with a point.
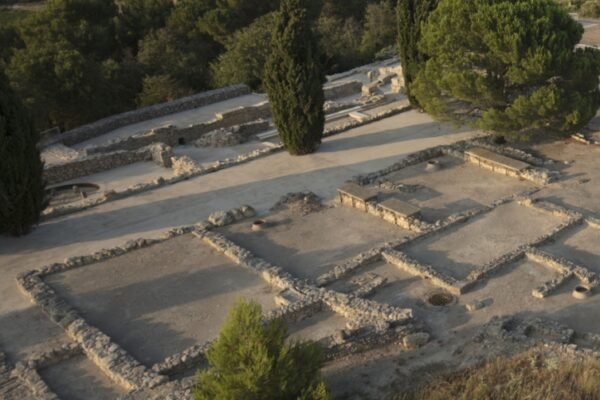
(416, 340)
(221, 218)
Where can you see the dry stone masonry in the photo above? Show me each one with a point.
(105, 125)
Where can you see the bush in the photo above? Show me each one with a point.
(159, 89)
(528, 376)
(590, 9)
(252, 360)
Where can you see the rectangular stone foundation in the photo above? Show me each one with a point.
(495, 162)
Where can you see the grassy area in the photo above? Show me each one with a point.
(529, 376)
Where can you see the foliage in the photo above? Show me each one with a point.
(74, 61)
(230, 15)
(411, 15)
(527, 376)
(67, 71)
(246, 55)
(294, 78)
(137, 18)
(21, 183)
(590, 8)
(508, 66)
(160, 89)
(380, 28)
(252, 360)
(340, 41)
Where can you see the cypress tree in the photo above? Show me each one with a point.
(411, 14)
(294, 80)
(21, 183)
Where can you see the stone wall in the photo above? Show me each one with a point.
(242, 115)
(234, 135)
(344, 89)
(108, 124)
(174, 136)
(57, 173)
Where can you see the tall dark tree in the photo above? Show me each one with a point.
(509, 66)
(294, 80)
(411, 14)
(21, 183)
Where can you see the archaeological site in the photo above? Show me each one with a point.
(405, 247)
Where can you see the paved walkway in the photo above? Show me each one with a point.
(259, 183)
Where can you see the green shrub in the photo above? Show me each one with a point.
(252, 360)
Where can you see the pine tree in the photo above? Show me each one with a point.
(252, 360)
(293, 78)
(411, 14)
(508, 66)
(21, 183)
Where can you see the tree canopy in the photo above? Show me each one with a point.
(411, 15)
(507, 66)
(74, 61)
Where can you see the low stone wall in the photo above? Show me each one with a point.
(344, 89)
(233, 136)
(27, 372)
(534, 173)
(242, 115)
(106, 125)
(113, 360)
(173, 136)
(57, 173)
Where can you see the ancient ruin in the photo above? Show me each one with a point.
(442, 250)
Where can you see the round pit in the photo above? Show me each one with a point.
(440, 299)
(259, 224)
(582, 292)
(432, 165)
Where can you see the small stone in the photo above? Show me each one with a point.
(248, 211)
(221, 218)
(416, 340)
(474, 306)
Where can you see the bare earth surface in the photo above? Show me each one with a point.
(161, 300)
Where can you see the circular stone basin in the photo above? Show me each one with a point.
(259, 224)
(582, 292)
(432, 165)
(440, 299)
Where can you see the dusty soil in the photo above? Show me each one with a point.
(158, 301)
(72, 380)
(309, 246)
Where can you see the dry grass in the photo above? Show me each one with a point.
(529, 376)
